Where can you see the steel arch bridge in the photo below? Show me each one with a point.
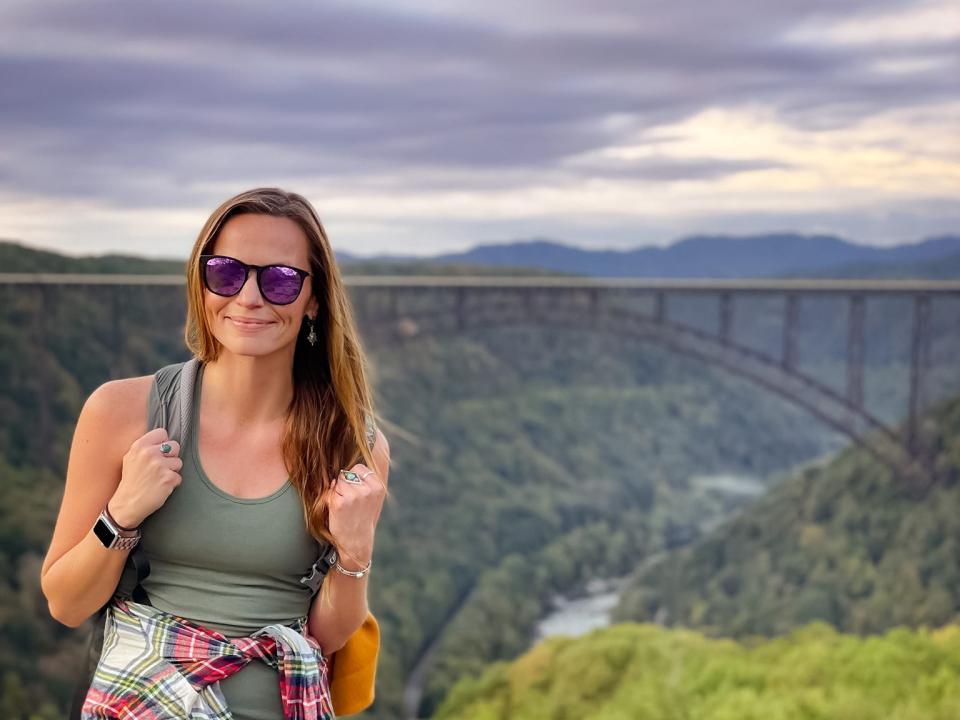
(397, 308)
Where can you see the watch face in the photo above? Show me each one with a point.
(103, 531)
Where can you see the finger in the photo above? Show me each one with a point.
(368, 478)
(153, 437)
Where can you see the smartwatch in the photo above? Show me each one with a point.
(112, 535)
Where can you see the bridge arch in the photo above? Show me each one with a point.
(583, 309)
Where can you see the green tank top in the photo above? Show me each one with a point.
(232, 564)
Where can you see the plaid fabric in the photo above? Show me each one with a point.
(158, 666)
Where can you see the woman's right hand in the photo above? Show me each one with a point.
(148, 478)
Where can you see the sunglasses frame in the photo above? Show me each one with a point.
(303, 274)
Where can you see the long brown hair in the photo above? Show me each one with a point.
(325, 428)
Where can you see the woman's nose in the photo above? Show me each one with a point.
(250, 293)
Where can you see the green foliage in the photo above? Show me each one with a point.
(847, 543)
(630, 671)
(525, 451)
(18, 258)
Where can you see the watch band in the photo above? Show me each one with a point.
(127, 531)
(111, 537)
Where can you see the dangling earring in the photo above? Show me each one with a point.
(312, 336)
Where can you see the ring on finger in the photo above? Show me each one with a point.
(165, 448)
(351, 477)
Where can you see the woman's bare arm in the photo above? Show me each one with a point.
(79, 574)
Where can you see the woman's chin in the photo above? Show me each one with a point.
(251, 346)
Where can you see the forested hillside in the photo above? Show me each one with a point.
(18, 258)
(630, 671)
(847, 543)
(573, 459)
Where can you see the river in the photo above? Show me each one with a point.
(579, 615)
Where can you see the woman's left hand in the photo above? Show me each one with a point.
(354, 512)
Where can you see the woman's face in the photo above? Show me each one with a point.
(259, 240)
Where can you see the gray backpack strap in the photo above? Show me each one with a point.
(170, 406)
(171, 399)
(188, 376)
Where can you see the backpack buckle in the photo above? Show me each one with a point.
(321, 566)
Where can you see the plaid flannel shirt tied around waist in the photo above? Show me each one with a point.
(157, 666)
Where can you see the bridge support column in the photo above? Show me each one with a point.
(855, 351)
(919, 364)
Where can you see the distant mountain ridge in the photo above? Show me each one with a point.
(713, 256)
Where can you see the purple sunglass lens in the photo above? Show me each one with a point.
(280, 285)
(224, 275)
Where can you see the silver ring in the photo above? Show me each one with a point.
(165, 448)
(369, 472)
(351, 477)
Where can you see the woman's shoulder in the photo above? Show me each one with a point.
(119, 406)
(128, 397)
(122, 390)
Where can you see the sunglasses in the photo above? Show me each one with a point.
(225, 276)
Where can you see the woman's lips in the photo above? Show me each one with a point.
(248, 324)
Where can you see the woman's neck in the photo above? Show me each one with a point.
(244, 390)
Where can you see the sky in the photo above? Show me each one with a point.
(429, 126)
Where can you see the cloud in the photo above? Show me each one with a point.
(917, 24)
(453, 108)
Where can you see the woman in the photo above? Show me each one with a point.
(280, 392)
